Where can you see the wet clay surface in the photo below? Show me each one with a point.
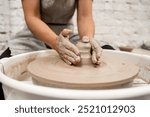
(52, 71)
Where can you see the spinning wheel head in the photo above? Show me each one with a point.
(51, 71)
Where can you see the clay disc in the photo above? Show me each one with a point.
(52, 71)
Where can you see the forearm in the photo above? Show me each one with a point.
(86, 27)
(85, 20)
(41, 31)
(33, 20)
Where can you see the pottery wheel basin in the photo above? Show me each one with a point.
(113, 71)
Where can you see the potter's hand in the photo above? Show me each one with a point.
(67, 51)
(96, 50)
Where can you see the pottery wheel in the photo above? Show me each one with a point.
(52, 71)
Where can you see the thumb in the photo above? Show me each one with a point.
(85, 39)
(66, 32)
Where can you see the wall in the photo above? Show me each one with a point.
(123, 22)
(120, 22)
(16, 16)
(4, 23)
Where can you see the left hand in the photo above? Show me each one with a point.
(95, 48)
(68, 52)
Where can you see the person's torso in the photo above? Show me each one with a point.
(57, 11)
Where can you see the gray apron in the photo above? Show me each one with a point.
(57, 14)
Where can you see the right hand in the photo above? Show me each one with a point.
(67, 51)
(96, 50)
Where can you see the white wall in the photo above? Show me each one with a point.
(4, 23)
(117, 21)
(123, 21)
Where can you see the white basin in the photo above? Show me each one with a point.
(17, 84)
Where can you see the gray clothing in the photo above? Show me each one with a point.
(57, 14)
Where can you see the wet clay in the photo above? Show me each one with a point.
(52, 71)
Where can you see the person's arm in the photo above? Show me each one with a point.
(86, 28)
(85, 20)
(33, 20)
(67, 51)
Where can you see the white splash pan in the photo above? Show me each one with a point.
(17, 85)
